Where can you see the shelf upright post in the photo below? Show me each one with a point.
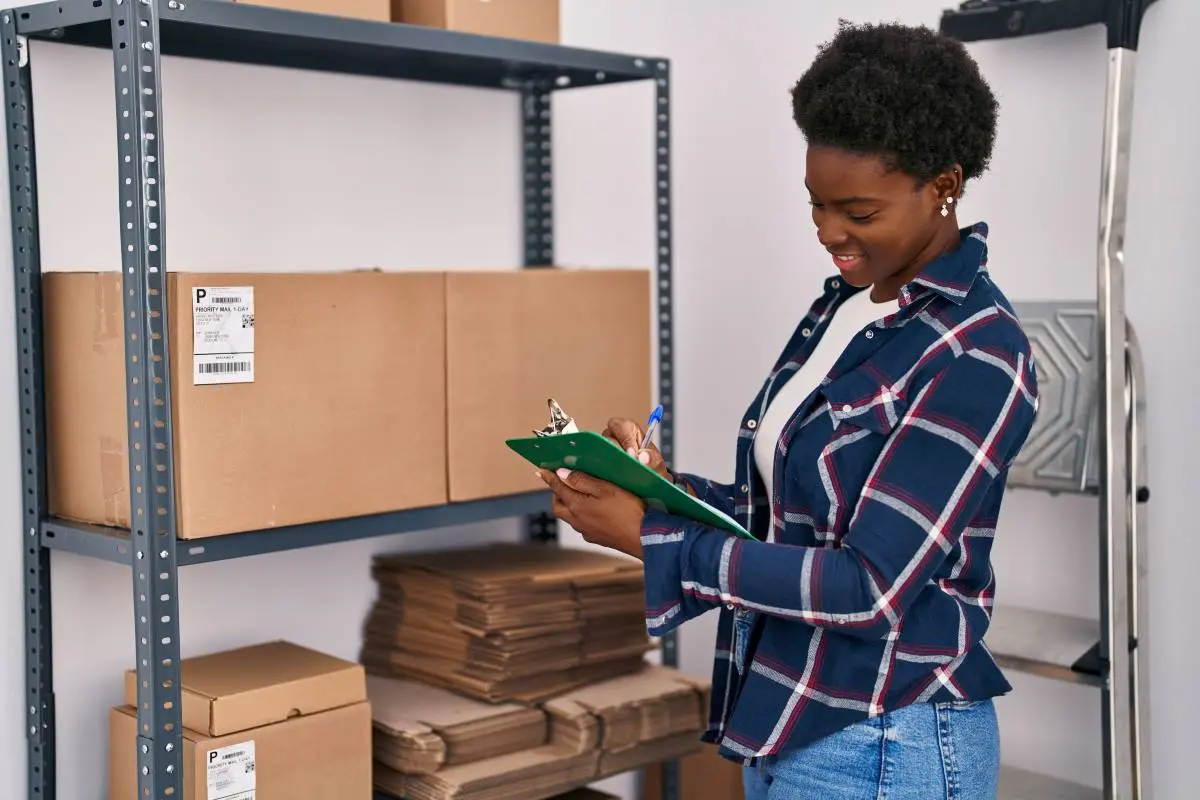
(27, 273)
(138, 85)
(537, 211)
(665, 318)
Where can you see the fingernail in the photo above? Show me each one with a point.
(564, 473)
(539, 475)
(630, 450)
(644, 457)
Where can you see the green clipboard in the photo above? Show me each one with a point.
(595, 455)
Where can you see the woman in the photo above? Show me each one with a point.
(871, 465)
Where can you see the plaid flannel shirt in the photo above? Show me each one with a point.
(869, 587)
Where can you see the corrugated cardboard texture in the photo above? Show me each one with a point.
(420, 729)
(631, 711)
(515, 339)
(346, 415)
(507, 622)
(249, 687)
(535, 20)
(528, 775)
(319, 757)
(376, 10)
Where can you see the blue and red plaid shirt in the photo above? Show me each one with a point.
(869, 587)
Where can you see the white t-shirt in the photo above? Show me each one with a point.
(854, 314)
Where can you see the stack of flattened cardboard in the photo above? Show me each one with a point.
(420, 729)
(507, 622)
(633, 720)
(617, 725)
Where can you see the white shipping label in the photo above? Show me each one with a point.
(231, 773)
(223, 334)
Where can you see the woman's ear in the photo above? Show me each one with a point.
(948, 185)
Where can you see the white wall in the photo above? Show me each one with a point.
(395, 174)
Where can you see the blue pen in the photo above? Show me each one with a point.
(651, 424)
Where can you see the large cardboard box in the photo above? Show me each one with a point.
(337, 411)
(535, 20)
(272, 720)
(516, 338)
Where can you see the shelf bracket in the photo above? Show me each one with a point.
(136, 62)
(27, 274)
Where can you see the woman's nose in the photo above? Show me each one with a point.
(830, 235)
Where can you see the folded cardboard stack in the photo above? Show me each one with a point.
(541, 772)
(420, 729)
(506, 622)
(431, 744)
(633, 720)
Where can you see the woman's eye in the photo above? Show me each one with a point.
(861, 217)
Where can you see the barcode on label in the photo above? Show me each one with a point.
(223, 367)
(224, 301)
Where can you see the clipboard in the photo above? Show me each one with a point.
(595, 455)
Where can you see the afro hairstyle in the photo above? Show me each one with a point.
(909, 95)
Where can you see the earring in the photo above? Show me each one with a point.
(949, 201)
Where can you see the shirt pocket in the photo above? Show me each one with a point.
(860, 400)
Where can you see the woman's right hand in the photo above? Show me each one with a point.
(628, 434)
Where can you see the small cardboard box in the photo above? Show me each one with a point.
(276, 719)
(534, 20)
(336, 410)
(515, 338)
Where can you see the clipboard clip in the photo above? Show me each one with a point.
(559, 421)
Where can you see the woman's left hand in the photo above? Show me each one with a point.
(602, 513)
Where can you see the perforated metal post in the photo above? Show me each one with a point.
(537, 198)
(135, 37)
(27, 273)
(665, 327)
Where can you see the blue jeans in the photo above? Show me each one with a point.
(927, 751)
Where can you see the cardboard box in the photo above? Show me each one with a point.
(535, 20)
(703, 775)
(421, 729)
(375, 10)
(278, 719)
(516, 338)
(345, 414)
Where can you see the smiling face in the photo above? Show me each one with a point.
(880, 225)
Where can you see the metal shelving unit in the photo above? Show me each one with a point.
(139, 33)
(1090, 434)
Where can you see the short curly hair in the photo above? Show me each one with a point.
(907, 94)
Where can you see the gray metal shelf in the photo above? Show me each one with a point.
(112, 544)
(139, 33)
(251, 34)
(1019, 784)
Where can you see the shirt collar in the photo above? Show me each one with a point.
(950, 275)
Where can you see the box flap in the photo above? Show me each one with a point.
(249, 687)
